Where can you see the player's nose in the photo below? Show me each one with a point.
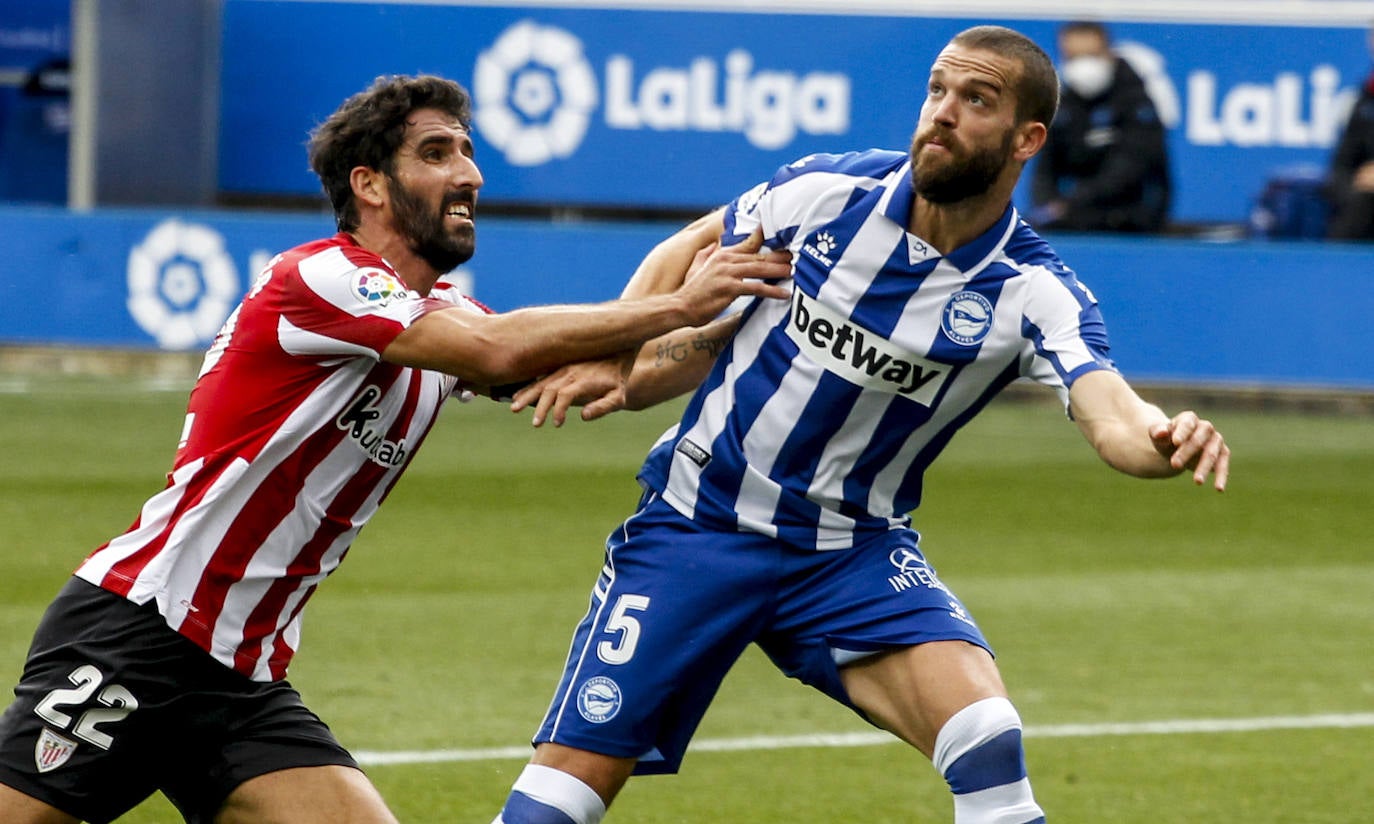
(465, 173)
(946, 111)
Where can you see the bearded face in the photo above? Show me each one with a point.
(959, 175)
(424, 227)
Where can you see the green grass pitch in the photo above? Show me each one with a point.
(1109, 600)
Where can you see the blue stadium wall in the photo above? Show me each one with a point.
(674, 108)
(683, 109)
(1243, 312)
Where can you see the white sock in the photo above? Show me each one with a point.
(979, 753)
(544, 795)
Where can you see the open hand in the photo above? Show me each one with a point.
(729, 272)
(1190, 442)
(597, 386)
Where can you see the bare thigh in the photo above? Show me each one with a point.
(19, 808)
(306, 795)
(911, 692)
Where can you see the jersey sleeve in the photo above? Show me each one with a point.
(340, 304)
(744, 214)
(1066, 337)
(451, 293)
(779, 205)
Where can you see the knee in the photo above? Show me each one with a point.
(980, 746)
(979, 753)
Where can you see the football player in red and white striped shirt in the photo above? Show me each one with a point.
(160, 665)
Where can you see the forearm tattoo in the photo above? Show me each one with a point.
(677, 351)
(712, 346)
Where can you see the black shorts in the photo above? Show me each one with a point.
(114, 705)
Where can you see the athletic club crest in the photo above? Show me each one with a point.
(52, 751)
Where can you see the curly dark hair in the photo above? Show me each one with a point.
(368, 128)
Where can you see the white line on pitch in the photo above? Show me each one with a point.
(868, 739)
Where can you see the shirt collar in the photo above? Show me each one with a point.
(968, 258)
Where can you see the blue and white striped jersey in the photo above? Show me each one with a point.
(820, 417)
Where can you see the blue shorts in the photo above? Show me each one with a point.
(675, 606)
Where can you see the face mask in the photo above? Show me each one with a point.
(1088, 76)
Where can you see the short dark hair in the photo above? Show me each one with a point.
(1037, 87)
(1088, 26)
(368, 128)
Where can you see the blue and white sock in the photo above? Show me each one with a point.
(543, 795)
(979, 753)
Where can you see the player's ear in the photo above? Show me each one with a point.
(369, 185)
(1030, 139)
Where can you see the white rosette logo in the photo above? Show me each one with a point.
(1149, 64)
(534, 93)
(182, 284)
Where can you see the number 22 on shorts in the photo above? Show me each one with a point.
(117, 702)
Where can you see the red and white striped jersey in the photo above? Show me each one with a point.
(295, 432)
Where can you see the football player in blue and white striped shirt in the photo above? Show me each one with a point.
(775, 512)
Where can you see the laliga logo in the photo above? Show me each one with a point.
(1247, 114)
(535, 91)
(182, 283)
(1253, 114)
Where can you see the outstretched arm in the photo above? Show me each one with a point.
(1137, 438)
(664, 368)
(667, 264)
(677, 362)
(661, 368)
(491, 350)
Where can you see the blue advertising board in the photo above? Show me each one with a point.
(686, 109)
(151, 279)
(1249, 312)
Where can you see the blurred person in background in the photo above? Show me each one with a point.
(1350, 183)
(1105, 166)
(161, 665)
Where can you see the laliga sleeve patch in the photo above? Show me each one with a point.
(377, 287)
